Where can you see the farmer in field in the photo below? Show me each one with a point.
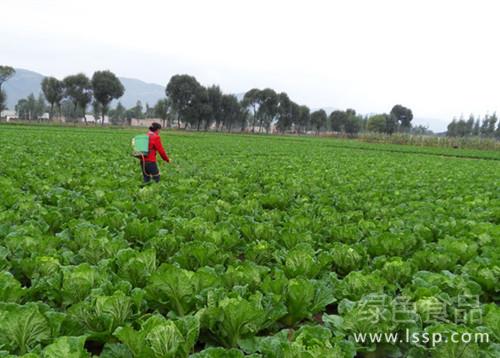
(148, 162)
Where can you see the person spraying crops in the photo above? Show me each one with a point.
(145, 148)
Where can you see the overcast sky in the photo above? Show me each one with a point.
(441, 58)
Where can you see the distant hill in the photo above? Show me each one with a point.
(25, 82)
(137, 90)
(21, 85)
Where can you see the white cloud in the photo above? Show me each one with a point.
(440, 58)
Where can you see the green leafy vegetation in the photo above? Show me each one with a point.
(249, 246)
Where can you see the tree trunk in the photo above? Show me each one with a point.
(254, 119)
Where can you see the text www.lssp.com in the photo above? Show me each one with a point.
(433, 339)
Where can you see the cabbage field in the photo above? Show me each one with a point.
(259, 246)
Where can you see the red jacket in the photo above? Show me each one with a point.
(155, 145)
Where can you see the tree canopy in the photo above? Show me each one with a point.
(6, 72)
(251, 99)
(485, 128)
(106, 87)
(378, 123)
(214, 95)
(185, 93)
(53, 90)
(162, 110)
(268, 108)
(401, 116)
(318, 119)
(337, 120)
(232, 112)
(78, 89)
(31, 108)
(3, 99)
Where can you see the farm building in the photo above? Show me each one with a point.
(90, 118)
(8, 115)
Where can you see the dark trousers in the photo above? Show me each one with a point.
(150, 171)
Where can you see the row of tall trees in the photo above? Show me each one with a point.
(200, 107)
(349, 122)
(79, 91)
(69, 97)
(487, 127)
(190, 104)
(259, 110)
(266, 107)
(31, 108)
(398, 120)
(122, 115)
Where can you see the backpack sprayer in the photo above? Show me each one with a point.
(140, 147)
